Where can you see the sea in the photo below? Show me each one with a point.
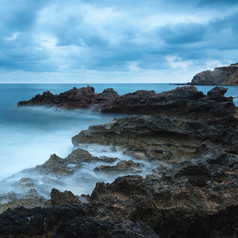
(29, 135)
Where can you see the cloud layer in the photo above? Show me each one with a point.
(97, 40)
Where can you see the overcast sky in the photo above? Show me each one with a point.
(115, 40)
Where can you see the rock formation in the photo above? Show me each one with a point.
(72, 99)
(185, 102)
(189, 127)
(195, 195)
(196, 198)
(227, 75)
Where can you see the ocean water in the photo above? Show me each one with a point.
(29, 135)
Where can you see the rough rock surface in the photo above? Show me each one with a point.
(121, 167)
(29, 200)
(61, 167)
(205, 123)
(227, 75)
(162, 138)
(72, 99)
(67, 221)
(184, 102)
(196, 198)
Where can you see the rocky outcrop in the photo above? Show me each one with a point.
(30, 199)
(72, 99)
(195, 198)
(227, 75)
(184, 102)
(192, 124)
(159, 137)
(121, 167)
(194, 195)
(60, 167)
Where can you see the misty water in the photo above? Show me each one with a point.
(29, 135)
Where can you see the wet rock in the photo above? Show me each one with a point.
(30, 199)
(61, 198)
(62, 167)
(183, 102)
(139, 155)
(26, 183)
(161, 137)
(194, 198)
(121, 167)
(108, 159)
(72, 99)
(191, 199)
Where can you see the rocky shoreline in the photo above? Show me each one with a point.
(188, 139)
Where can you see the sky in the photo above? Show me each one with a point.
(115, 41)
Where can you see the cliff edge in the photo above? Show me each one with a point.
(227, 75)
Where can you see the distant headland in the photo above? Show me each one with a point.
(226, 75)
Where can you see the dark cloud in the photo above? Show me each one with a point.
(113, 35)
(19, 15)
(183, 33)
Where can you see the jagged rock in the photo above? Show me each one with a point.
(26, 183)
(67, 221)
(61, 167)
(191, 199)
(30, 199)
(195, 198)
(195, 195)
(183, 102)
(227, 75)
(121, 167)
(61, 198)
(160, 137)
(72, 99)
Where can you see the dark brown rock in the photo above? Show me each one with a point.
(183, 102)
(121, 167)
(67, 221)
(195, 198)
(60, 167)
(61, 198)
(162, 138)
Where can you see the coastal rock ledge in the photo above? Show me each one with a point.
(192, 192)
(227, 75)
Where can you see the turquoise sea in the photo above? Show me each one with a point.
(29, 135)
